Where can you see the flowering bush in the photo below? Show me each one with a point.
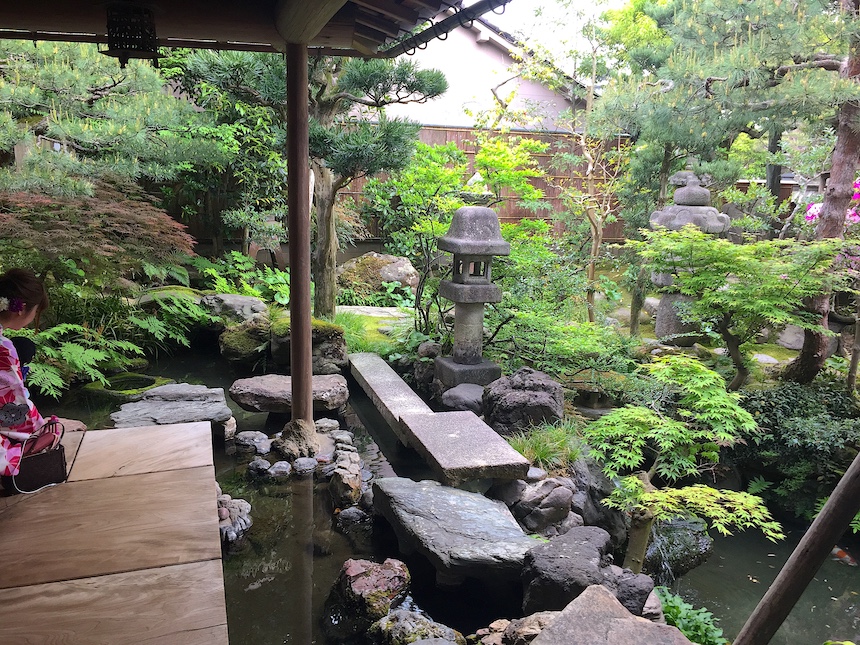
(813, 209)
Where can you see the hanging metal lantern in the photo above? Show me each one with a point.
(131, 33)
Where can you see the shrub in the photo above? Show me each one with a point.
(808, 437)
(698, 625)
(549, 446)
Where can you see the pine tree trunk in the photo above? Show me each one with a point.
(324, 259)
(855, 352)
(837, 198)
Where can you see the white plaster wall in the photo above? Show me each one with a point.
(472, 68)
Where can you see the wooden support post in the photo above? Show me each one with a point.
(299, 225)
(805, 561)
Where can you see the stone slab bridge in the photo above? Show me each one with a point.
(458, 446)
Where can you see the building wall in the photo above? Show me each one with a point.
(474, 61)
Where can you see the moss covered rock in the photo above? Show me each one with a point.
(247, 343)
(366, 273)
(124, 387)
(328, 345)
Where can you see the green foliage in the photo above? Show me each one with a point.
(508, 164)
(237, 273)
(426, 190)
(362, 334)
(552, 447)
(68, 352)
(762, 215)
(809, 434)
(680, 439)
(739, 289)
(115, 124)
(697, 624)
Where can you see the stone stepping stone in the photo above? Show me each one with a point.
(459, 447)
(177, 403)
(461, 533)
(389, 393)
(273, 393)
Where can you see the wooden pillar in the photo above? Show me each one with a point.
(804, 562)
(299, 225)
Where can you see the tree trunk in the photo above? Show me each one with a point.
(640, 532)
(324, 262)
(837, 197)
(773, 172)
(733, 347)
(637, 300)
(665, 166)
(855, 352)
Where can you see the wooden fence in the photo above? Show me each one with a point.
(510, 211)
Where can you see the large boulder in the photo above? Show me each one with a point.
(273, 393)
(555, 573)
(176, 403)
(461, 533)
(246, 343)
(677, 546)
(328, 346)
(525, 398)
(370, 270)
(363, 593)
(597, 618)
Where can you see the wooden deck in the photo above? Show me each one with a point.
(127, 551)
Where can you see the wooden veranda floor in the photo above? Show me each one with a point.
(127, 551)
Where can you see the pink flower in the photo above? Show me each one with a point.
(852, 216)
(783, 276)
(813, 211)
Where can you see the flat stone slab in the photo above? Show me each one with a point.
(273, 392)
(461, 533)
(460, 447)
(178, 403)
(389, 393)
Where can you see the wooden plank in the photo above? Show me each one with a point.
(297, 24)
(112, 525)
(177, 605)
(391, 9)
(148, 449)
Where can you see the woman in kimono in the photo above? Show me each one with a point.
(23, 430)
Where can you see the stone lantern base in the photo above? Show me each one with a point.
(452, 374)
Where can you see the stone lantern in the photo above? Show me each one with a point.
(692, 206)
(474, 237)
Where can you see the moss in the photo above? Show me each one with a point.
(779, 352)
(364, 276)
(319, 328)
(126, 386)
(239, 341)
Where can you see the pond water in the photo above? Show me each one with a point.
(276, 586)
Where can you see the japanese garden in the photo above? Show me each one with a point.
(584, 338)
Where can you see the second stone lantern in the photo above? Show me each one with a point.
(474, 237)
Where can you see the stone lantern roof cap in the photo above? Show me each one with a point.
(475, 230)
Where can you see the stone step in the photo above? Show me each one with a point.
(458, 445)
(389, 393)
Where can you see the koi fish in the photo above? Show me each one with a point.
(843, 556)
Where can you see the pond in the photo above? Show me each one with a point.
(277, 585)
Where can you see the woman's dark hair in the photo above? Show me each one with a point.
(24, 285)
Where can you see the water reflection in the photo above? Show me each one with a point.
(742, 567)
